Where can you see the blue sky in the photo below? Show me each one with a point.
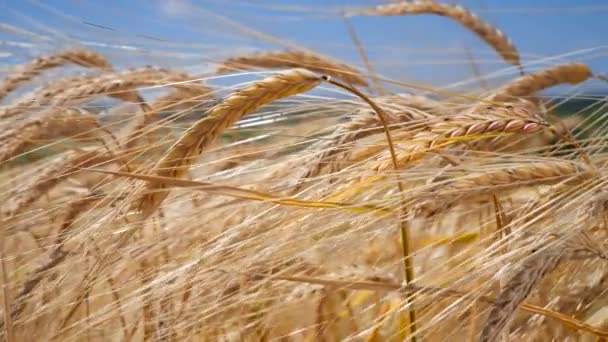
(427, 48)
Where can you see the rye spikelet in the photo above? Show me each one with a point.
(294, 59)
(490, 34)
(25, 73)
(530, 84)
(236, 105)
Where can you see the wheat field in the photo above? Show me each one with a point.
(286, 195)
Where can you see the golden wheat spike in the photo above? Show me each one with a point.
(25, 73)
(236, 105)
(490, 34)
(294, 59)
(530, 84)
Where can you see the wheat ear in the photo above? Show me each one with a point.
(294, 59)
(120, 85)
(530, 84)
(490, 34)
(499, 179)
(55, 123)
(236, 105)
(25, 73)
(514, 117)
(79, 89)
(399, 110)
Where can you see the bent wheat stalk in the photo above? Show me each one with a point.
(182, 154)
(490, 34)
(408, 267)
(294, 59)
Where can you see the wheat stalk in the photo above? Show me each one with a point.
(25, 73)
(294, 59)
(57, 254)
(490, 34)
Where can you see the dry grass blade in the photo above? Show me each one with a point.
(490, 34)
(294, 59)
(25, 73)
(245, 194)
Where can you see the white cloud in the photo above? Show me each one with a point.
(175, 7)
